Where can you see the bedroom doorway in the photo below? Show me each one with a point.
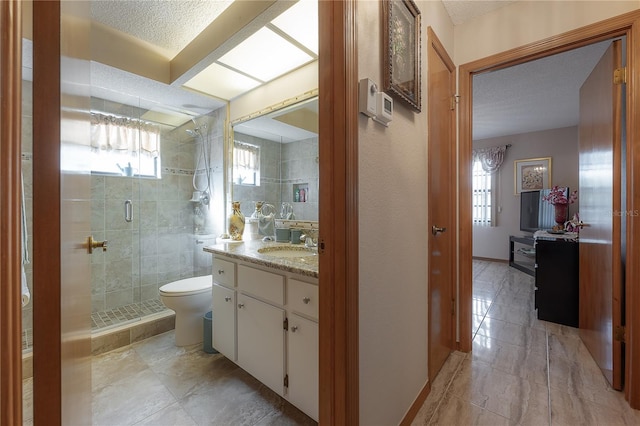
(605, 30)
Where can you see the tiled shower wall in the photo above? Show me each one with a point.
(282, 166)
(159, 245)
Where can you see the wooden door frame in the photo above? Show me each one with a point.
(624, 25)
(338, 243)
(339, 373)
(10, 229)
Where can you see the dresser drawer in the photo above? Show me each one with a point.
(303, 298)
(224, 272)
(262, 284)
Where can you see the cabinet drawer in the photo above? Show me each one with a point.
(224, 272)
(303, 298)
(262, 284)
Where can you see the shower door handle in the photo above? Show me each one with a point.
(93, 244)
(128, 211)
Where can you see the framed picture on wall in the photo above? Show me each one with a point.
(401, 44)
(531, 174)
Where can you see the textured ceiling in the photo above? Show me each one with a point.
(538, 95)
(167, 24)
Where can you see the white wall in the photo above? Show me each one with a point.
(393, 233)
(559, 144)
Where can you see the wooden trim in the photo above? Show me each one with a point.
(47, 367)
(10, 224)
(338, 94)
(417, 405)
(632, 273)
(627, 24)
(490, 259)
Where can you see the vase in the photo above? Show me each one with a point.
(236, 222)
(560, 214)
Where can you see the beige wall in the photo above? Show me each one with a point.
(528, 21)
(393, 234)
(559, 144)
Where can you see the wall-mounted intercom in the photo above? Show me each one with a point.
(374, 104)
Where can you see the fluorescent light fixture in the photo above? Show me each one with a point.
(221, 82)
(300, 22)
(265, 55)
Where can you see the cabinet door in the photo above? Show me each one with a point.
(303, 365)
(224, 321)
(261, 341)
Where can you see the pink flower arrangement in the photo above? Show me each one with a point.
(556, 196)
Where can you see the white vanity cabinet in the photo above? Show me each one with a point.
(261, 326)
(266, 321)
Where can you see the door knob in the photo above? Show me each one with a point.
(581, 225)
(93, 244)
(227, 299)
(435, 230)
(240, 305)
(294, 328)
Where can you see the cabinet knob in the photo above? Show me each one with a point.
(294, 328)
(306, 300)
(240, 305)
(220, 271)
(227, 299)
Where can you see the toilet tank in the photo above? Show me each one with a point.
(201, 259)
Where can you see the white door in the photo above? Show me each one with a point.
(303, 364)
(224, 321)
(261, 341)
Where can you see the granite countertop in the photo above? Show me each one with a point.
(248, 251)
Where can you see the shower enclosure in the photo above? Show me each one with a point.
(154, 228)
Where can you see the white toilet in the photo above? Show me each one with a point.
(190, 299)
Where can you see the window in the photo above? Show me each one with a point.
(124, 146)
(482, 195)
(246, 164)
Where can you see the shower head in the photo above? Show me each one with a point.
(195, 132)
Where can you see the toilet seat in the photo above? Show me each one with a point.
(188, 286)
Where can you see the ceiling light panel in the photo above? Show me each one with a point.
(221, 82)
(300, 22)
(265, 55)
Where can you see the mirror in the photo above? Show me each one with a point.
(275, 160)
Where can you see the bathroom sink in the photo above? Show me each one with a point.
(288, 252)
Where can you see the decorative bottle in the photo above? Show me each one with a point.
(236, 222)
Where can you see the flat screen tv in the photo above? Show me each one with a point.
(535, 213)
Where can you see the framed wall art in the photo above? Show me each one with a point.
(401, 44)
(532, 174)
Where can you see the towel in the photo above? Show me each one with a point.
(26, 295)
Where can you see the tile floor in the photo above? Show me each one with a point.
(153, 382)
(521, 371)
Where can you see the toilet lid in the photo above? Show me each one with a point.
(188, 286)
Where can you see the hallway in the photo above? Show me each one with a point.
(521, 371)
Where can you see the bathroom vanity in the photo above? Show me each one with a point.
(265, 315)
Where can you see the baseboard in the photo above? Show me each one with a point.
(417, 404)
(490, 259)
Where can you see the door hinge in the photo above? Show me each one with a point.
(454, 101)
(321, 245)
(619, 333)
(286, 380)
(620, 75)
(285, 324)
